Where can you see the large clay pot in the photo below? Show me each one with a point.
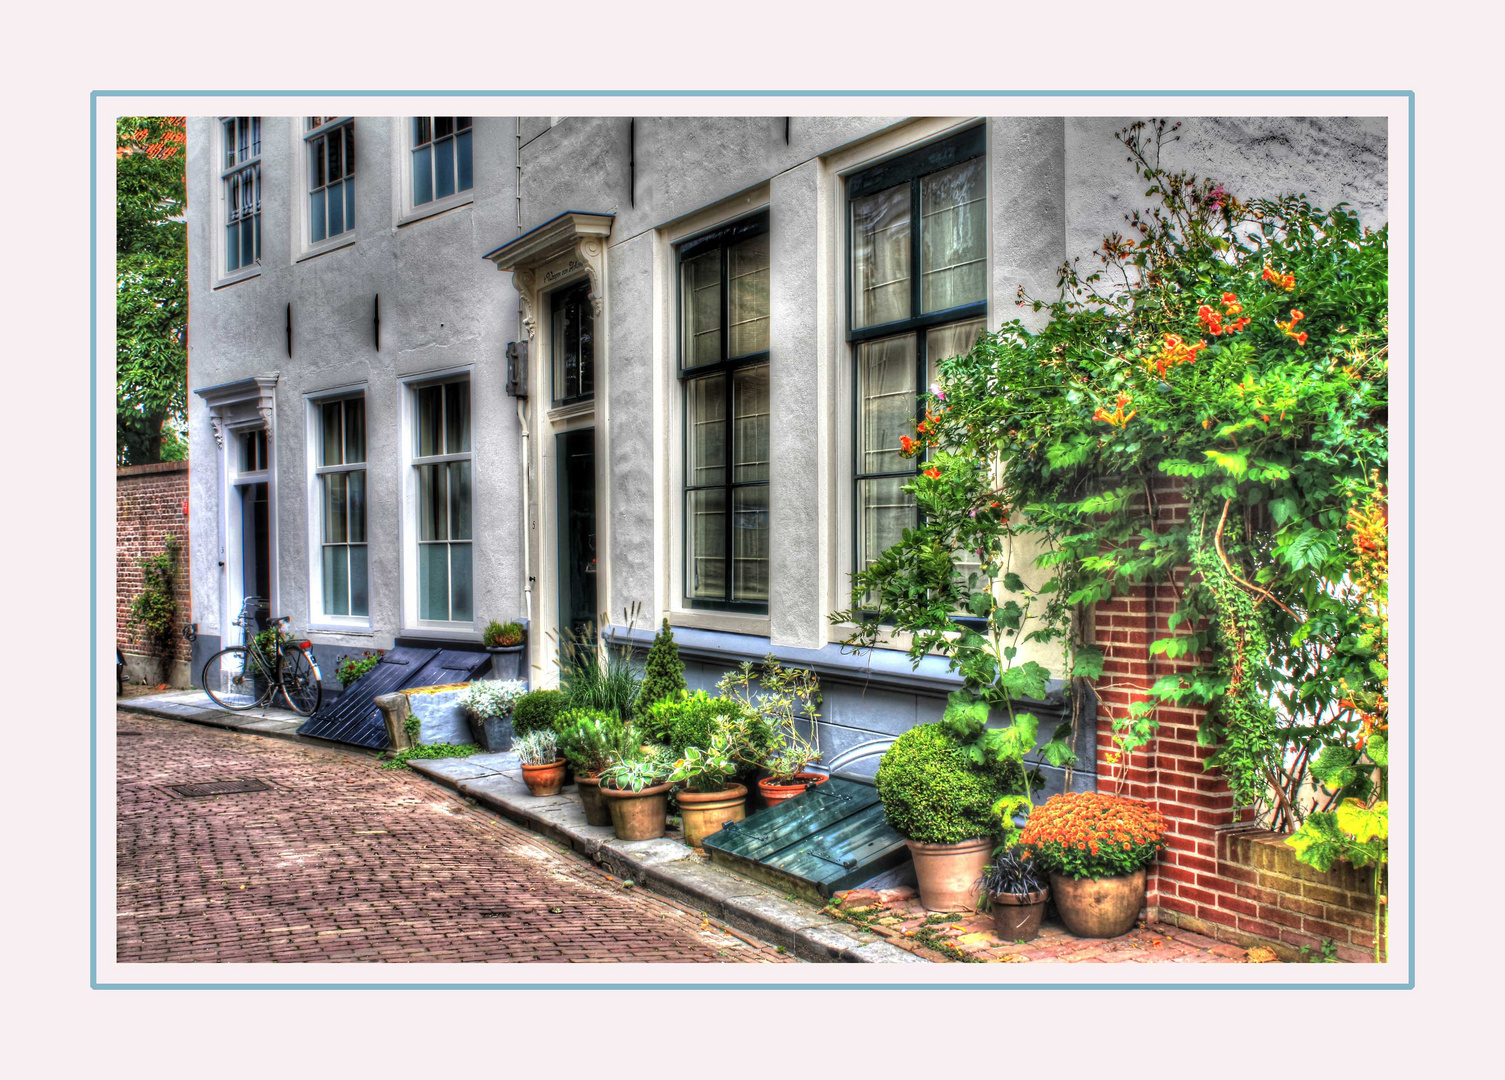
(544, 779)
(638, 815)
(703, 814)
(1099, 907)
(590, 798)
(1016, 916)
(947, 873)
(774, 794)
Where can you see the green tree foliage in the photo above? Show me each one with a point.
(154, 610)
(664, 672)
(151, 295)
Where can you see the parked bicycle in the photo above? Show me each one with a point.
(250, 674)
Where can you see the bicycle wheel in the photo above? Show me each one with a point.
(300, 682)
(234, 679)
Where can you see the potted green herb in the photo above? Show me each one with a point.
(942, 803)
(505, 642)
(543, 768)
(488, 705)
(636, 794)
(785, 698)
(707, 797)
(1016, 889)
(1097, 849)
(591, 741)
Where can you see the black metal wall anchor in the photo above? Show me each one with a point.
(289, 331)
(376, 320)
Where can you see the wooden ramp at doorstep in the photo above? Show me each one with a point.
(832, 837)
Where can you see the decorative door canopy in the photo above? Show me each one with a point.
(553, 252)
(240, 406)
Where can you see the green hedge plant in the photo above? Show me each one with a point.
(934, 793)
(537, 711)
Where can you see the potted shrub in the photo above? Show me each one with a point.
(708, 797)
(349, 668)
(1016, 889)
(944, 806)
(1097, 849)
(543, 768)
(785, 697)
(636, 794)
(488, 705)
(536, 710)
(663, 671)
(591, 740)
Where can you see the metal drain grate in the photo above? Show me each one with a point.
(218, 787)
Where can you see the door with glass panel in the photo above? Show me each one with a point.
(576, 457)
(917, 295)
(251, 483)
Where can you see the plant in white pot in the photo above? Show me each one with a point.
(488, 705)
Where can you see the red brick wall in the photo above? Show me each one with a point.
(1206, 878)
(150, 503)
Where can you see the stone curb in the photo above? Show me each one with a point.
(663, 866)
(243, 723)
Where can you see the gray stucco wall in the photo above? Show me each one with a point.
(441, 306)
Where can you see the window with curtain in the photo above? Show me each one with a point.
(723, 364)
(441, 158)
(917, 295)
(442, 462)
(341, 471)
(240, 179)
(331, 176)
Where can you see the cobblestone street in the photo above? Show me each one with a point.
(341, 860)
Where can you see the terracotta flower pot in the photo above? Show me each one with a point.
(1099, 907)
(638, 815)
(544, 779)
(705, 813)
(1016, 916)
(590, 797)
(776, 793)
(948, 873)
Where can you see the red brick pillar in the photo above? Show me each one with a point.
(151, 503)
(1169, 772)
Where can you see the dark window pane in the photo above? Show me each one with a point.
(430, 420)
(355, 430)
(316, 228)
(333, 441)
(705, 543)
(444, 168)
(461, 592)
(750, 543)
(433, 581)
(423, 180)
(465, 180)
(459, 500)
(432, 503)
(316, 162)
(706, 416)
(421, 130)
(336, 156)
(349, 149)
(336, 529)
(444, 126)
(336, 581)
(750, 415)
(462, 123)
(356, 483)
(457, 417)
(360, 589)
(336, 209)
(700, 298)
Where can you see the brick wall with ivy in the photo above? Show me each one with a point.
(1220, 874)
(150, 504)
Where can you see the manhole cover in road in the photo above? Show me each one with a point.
(219, 787)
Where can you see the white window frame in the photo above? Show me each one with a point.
(408, 436)
(408, 211)
(303, 135)
(318, 619)
(223, 175)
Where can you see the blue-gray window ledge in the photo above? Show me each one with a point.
(887, 669)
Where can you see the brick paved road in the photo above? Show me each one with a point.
(342, 860)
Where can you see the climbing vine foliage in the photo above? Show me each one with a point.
(1229, 351)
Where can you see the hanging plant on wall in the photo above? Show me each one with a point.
(154, 611)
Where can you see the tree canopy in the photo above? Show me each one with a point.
(151, 290)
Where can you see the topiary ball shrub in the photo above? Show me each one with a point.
(537, 711)
(933, 794)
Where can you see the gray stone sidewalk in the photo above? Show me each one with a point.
(664, 866)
